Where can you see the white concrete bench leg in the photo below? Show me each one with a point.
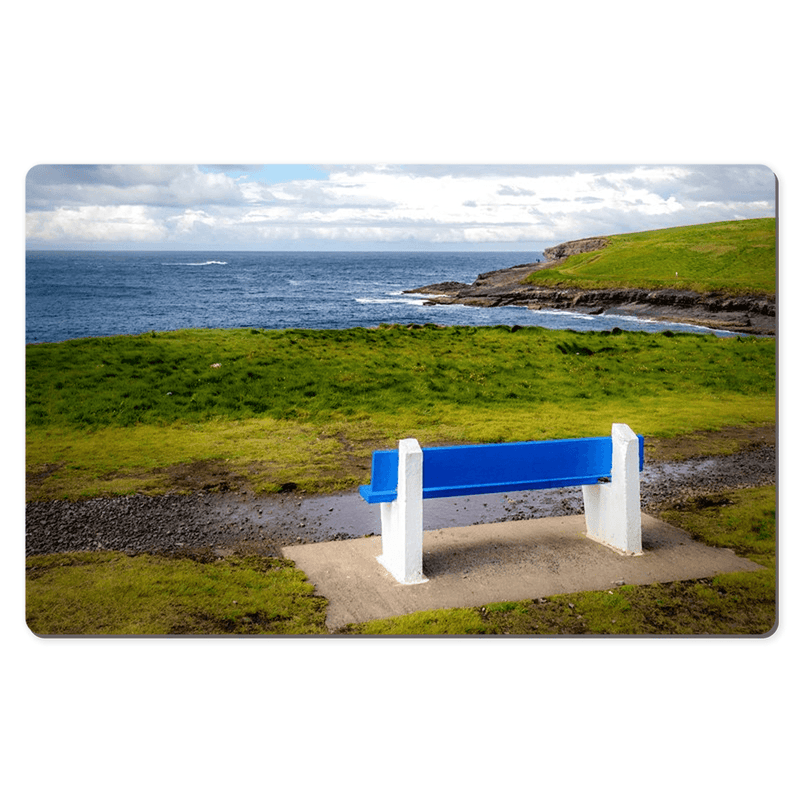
(401, 520)
(613, 510)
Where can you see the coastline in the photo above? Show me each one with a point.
(751, 314)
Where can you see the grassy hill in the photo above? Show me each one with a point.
(734, 257)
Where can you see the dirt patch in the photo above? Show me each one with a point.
(206, 476)
(355, 456)
(709, 443)
(37, 477)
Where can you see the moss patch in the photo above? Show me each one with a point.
(111, 593)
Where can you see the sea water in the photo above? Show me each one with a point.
(72, 294)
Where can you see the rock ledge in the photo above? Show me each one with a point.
(754, 314)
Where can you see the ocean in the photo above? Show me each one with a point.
(74, 294)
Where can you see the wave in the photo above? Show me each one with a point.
(628, 321)
(192, 263)
(555, 312)
(389, 301)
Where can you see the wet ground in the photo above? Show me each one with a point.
(221, 522)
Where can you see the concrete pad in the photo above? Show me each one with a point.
(518, 560)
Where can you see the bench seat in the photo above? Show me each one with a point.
(493, 468)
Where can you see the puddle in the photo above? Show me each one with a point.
(296, 518)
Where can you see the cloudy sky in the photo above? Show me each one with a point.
(324, 207)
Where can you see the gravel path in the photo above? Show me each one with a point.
(225, 522)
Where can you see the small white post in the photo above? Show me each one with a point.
(613, 510)
(401, 520)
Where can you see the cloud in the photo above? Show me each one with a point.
(533, 206)
(729, 183)
(515, 191)
(94, 224)
(78, 186)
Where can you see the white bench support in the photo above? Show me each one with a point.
(401, 520)
(613, 510)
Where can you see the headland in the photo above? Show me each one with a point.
(742, 313)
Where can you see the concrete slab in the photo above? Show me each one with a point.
(518, 560)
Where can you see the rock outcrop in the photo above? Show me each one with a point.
(573, 248)
(743, 314)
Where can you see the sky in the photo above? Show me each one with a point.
(376, 207)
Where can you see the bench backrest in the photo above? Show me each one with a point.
(489, 468)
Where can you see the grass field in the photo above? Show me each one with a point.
(733, 257)
(309, 407)
(124, 414)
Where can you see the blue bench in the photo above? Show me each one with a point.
(492, 468)
(607, 467)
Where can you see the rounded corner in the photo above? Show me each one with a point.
(31, 169)
(33, 632)
(772, 631)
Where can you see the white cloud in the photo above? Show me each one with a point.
(94, 224)
(188, 221)
(183, 205)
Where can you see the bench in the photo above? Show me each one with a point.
(606, 467)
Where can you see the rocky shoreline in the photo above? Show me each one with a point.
(752, 314)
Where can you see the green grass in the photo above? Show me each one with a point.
(741, 603)
(128, 413)
(742, 520)
(732, 257)
(112, 593)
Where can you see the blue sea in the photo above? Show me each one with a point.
(71, 294)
